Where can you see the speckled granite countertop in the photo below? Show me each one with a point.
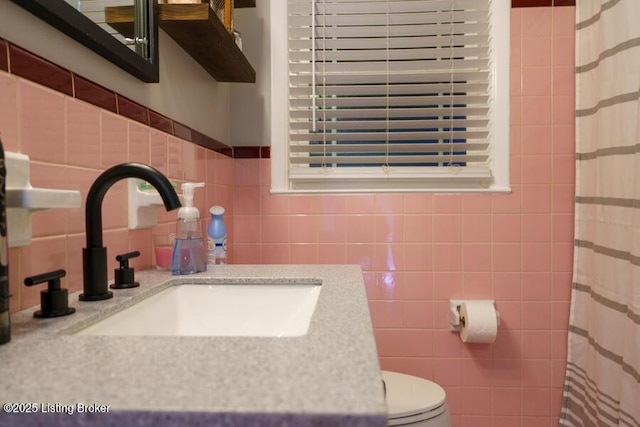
(328, 377)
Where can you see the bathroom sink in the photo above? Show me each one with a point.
(247, 310)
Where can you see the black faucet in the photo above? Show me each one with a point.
(94, 256)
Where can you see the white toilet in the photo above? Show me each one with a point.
(416, 402)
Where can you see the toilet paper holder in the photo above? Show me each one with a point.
(456, 321)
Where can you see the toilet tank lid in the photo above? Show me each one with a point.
(408, 395)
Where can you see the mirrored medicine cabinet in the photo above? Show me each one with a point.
(132, 46)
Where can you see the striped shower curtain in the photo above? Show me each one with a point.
(602, 386)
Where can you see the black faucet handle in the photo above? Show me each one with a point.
(123, 259)
(53, 277)
(54, 301)
(124, 276)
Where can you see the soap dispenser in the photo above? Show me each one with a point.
(189, 255)
(217, 239)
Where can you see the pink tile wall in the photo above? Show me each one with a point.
(419, 250)
(70, 143)
(416, 250)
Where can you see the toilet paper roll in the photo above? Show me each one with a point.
(480, 322)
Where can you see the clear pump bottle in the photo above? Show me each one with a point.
(189, 253)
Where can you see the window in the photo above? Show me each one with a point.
(390, 95)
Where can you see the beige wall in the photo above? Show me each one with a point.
(250, 103)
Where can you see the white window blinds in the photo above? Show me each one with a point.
(395, 89)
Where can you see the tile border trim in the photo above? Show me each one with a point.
(22, 63)
(542, 3)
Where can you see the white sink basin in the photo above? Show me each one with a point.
(248, 310)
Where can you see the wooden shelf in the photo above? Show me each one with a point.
(244, 3)
(197, 29)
